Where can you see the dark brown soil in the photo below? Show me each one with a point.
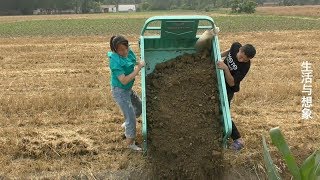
(184, 129)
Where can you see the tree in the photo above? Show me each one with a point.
(95, 5)
(8, 4)
(288, 2)
(159, 5)
(223, 3)
(260, 1)
(246, 6)
(25, 6)
(77, 5)
(145, 6)
(114, 2)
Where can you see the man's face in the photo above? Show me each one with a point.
(242, 57)
(122, 50)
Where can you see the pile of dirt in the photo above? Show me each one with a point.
(184, 127)
(54, 144)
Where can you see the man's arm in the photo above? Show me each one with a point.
(225, 53)
(229, 78)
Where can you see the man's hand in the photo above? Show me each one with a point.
(229, 78)
(222, 65)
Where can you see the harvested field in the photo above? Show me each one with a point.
(58, 119)
(307, 10)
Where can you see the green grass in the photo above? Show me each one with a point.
(123, 25)
(73, 27)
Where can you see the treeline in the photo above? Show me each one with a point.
(211, 4)
(298, 2)
(16, 7)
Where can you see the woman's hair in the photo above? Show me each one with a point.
(117, 40)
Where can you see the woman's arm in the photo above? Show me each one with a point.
(126, 79)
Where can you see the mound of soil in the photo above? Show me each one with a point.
(184, 127)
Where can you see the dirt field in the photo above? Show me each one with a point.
(313, 10)
(58, 118)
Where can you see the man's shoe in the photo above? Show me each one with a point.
(237, 145)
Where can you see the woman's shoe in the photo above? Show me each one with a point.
(134, 147)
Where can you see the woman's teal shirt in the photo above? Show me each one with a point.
(121, 65)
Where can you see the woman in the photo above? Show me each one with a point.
(124, 68)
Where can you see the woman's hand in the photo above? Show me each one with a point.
(140, 64)
(126, 79)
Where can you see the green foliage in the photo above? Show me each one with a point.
(187, 7)
(243, 6)
(260, 2)
(289, 2)
(298, 2)
(279, 141)
(95, 6)
(27, 6)
(310, 169)
(271, 169)
(145, 6)
(172, 7)
(160, 5)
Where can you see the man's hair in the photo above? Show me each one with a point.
(117, 40)
(249, 50)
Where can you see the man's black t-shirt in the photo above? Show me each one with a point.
(237, 69)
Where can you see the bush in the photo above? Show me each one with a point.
(289, 2)
(95, 6)
(246, 6)
(187, 7)
(209, 7)
(145, 6)
(172, 7)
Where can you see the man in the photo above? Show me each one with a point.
(235, 67)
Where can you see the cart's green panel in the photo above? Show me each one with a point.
(177, 35)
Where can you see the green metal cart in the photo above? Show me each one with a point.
(165, 37)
